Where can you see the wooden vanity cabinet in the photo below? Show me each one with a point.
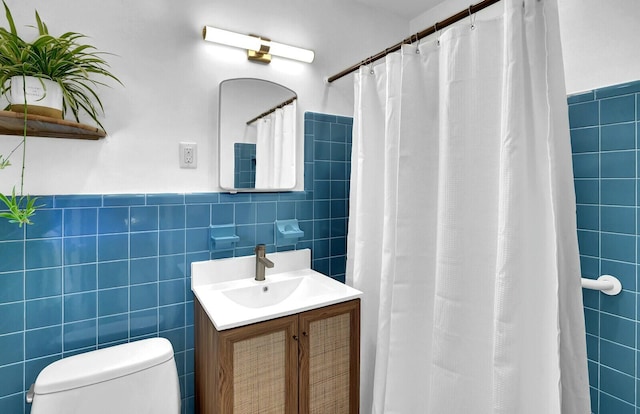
(304, 363)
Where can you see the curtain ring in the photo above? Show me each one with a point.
(417, 44)
(472, 19)
(437, 32)
(371, 72)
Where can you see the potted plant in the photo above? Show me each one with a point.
(45, 67)
(63, 60)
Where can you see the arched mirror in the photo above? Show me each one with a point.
(257, 136)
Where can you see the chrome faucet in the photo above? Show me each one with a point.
(261, 262)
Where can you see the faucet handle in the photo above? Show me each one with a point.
(260, 248)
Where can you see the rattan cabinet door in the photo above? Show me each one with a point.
(330, 359)
(247, 370)
(259, 367)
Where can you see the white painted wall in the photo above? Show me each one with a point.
(600, 42)
(599, 39)
(171, 79)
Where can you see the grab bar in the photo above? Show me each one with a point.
(607, 284)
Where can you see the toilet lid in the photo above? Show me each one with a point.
(102, 365)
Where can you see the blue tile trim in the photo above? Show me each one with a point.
(344, 120)
(616, 90)
(235, 198)
(581, 97)
(201, 198)
(45, 201)
(325, 118)
(69, 201)
(116, 200)
(156, 199)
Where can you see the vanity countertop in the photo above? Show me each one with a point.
(231, 297)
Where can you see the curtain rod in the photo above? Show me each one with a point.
(414, 38)
(265, 113)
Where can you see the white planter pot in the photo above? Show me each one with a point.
(43, 97)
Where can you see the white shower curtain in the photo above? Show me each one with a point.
(275, 148)
(462, 230)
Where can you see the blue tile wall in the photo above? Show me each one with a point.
(604, 138)
(99, 270)
(244, 173)
(327, 170)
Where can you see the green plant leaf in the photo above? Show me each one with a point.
(4, 162)
(42, 28)
(19, 209)
(12, 25)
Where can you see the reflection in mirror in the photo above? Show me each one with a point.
(257, 136)
(244, 165)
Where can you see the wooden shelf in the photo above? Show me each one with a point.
(12, 123)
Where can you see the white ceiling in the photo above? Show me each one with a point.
(406, 8)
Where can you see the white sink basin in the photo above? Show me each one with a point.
(263, 295)
(231, 297)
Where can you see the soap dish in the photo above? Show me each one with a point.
(223, 237)
(287, 232)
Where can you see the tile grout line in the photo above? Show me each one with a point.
(635, 368)
(599, 247)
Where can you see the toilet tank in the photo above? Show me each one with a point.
(135, 378)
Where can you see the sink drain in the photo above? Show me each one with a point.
(265, 288)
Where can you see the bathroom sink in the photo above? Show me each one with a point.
(263, 294)
(231, 297)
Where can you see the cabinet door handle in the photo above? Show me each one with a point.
(295, 337)
(304, 333)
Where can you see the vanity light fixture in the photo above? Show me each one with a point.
(258, 48)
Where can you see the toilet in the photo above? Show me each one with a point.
(135, 378)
